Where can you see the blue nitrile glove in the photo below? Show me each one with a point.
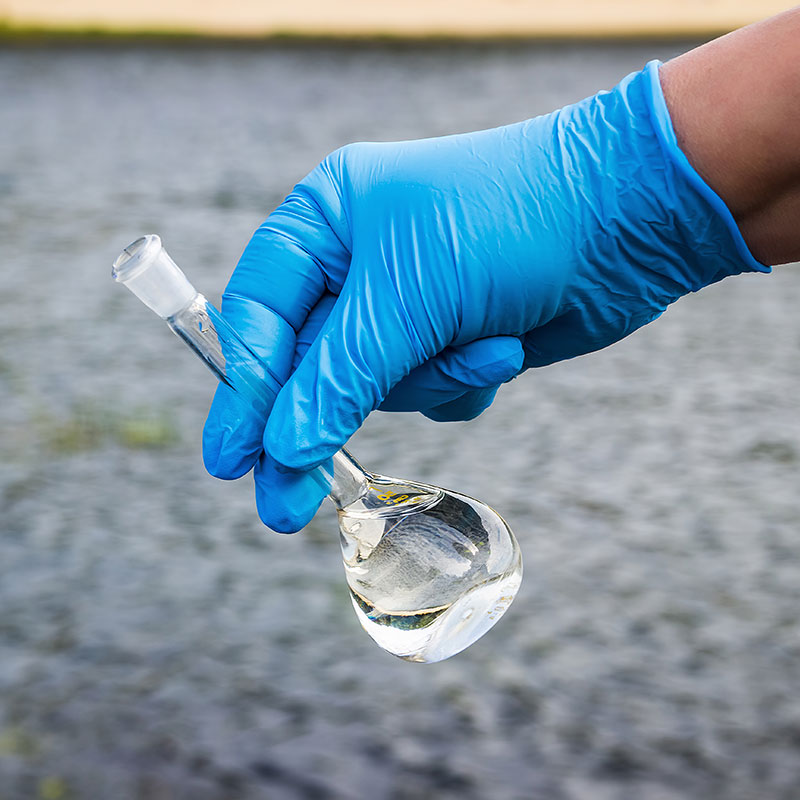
(566, 233)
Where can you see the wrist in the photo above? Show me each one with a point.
(690, 179)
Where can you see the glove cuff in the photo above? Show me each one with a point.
(662, 125)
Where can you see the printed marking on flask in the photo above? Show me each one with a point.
(389, 498)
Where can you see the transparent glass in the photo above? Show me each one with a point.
(429, 570)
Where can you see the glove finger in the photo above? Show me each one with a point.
(468, 406)
(232, 436)
(366, 345)
(286, 501)
(267, 333)
(578, 332)
(311, 327)
(450, 378)
(233, 433)
(300, 251)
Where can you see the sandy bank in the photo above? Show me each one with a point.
(458, 18)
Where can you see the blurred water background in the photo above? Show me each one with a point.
(156, 642)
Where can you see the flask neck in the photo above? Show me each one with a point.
(212, 338)
(347, 481)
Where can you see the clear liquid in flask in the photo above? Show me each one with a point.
(429, 570)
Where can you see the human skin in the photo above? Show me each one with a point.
(735, 108)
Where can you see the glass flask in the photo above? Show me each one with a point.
(429, 570)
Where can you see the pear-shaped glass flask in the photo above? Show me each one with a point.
(429, 570)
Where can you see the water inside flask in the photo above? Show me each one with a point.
(430, 575)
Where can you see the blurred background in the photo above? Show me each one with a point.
(157, 642)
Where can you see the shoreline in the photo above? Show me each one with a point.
(150, 36)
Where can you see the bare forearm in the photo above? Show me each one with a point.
(735, 107)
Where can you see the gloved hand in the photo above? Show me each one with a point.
(421, 275)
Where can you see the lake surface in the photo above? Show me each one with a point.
(156, 642)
